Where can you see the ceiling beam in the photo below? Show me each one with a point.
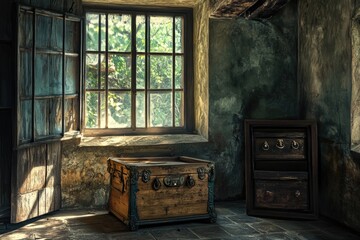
(249, 9)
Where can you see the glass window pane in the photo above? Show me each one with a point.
(72, 44)
(43, 31)
(92, 32)
(25, 74)
(55, 74)
(160, 72)
(91, 113)
(119, 32)
(42, 64)
(179, 35)
(71, 116)
(25, 29)
(91, 71)
(103, 32)
(48, 74)
(41, 118)
(71, 74)
(161, 34)
(179, 72)
(140, 33)
(25, 127)
(119, 71)
(102, 110)
(179, 109)
(140, 72)
(55, 116)
(56, 37)
(140, 109)
(160, 110)
(119, 110)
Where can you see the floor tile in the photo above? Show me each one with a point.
(209, 232)
(266, 227)
(232, 224)
(177, 233)
(240, 230)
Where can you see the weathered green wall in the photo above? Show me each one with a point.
(325, 54)
(253, 68)
(252, 75)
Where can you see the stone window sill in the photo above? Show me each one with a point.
(147, 140)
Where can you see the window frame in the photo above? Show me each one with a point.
(68, 46)
(188, 88)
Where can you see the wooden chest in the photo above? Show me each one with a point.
(281, 168)
(161, 189)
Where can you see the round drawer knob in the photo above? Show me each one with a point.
(265, 146)
(280, 143)
(297, 194)
(295, 144)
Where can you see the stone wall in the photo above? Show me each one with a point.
(325, 60)
(252, 75)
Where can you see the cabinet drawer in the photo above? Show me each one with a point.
(280, 194)
(279, 148)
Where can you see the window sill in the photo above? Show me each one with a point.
(144, 140)
(355, 151)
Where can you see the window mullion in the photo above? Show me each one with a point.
(147, 69)
(133, 71)
(99, 73)
(173, 74)
(106, 70)
(63, 78)
(33, 77)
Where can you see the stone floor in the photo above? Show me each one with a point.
(232, 223)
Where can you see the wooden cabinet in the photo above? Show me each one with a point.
(161, 189)
(281, 168)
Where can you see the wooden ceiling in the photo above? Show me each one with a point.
(249, 9)
(162, 3)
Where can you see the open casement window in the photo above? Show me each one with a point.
(48, 83)
(48, 75)
(138, 72)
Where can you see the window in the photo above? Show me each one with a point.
(138, 72)
(48, 76)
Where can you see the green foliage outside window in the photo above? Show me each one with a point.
(158, 78)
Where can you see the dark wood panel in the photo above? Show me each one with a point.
(281, 176)
(6, 76)
(6, 20)
(36, 186)
(289, 195)
(5, 160)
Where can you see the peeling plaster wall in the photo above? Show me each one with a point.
(325, 60)
(252, 75)
(252, 67)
